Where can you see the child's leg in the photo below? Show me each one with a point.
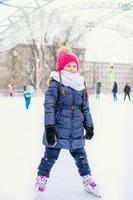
(84, 170)
(47, 162)
(27, 102)
(81, 161)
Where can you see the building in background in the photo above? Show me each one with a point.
(106, 74)
(18, 67)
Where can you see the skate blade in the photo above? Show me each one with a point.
(96, 195)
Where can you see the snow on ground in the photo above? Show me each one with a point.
(109, 152)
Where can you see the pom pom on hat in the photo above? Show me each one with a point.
(66, 56)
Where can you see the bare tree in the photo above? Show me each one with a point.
(61, 34)
(44, 48)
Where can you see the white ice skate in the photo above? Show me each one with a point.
(40, 187)
(90, 186)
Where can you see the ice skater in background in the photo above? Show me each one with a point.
(67, 114)
(98, 90)
(114, 91)
(27, 96)
(11, 90)
(127, 90)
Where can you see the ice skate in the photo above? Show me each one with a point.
(90, 186)
(40, 187)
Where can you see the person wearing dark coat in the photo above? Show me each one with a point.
(127, 91)
(67, 114)
(98, 90)
(114, 91)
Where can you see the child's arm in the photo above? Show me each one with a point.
(88, 123)
(51, 97)
(86, 112)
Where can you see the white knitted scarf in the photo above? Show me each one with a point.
(73, 80)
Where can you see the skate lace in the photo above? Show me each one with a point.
(41, 182)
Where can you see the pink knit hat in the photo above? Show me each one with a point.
(65, 57)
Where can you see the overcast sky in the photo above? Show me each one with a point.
(102, 44)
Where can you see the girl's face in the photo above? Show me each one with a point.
(71, 67)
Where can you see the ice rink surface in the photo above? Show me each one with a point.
(109, 152)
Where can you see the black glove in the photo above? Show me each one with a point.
(89, 133)
(51, 136)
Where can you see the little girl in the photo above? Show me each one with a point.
(67, 114)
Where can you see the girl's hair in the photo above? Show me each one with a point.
(86, 91)
(49, 81)
(61, 88)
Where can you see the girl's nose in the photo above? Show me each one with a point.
(71, 68)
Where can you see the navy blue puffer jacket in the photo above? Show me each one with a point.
(69, 113)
